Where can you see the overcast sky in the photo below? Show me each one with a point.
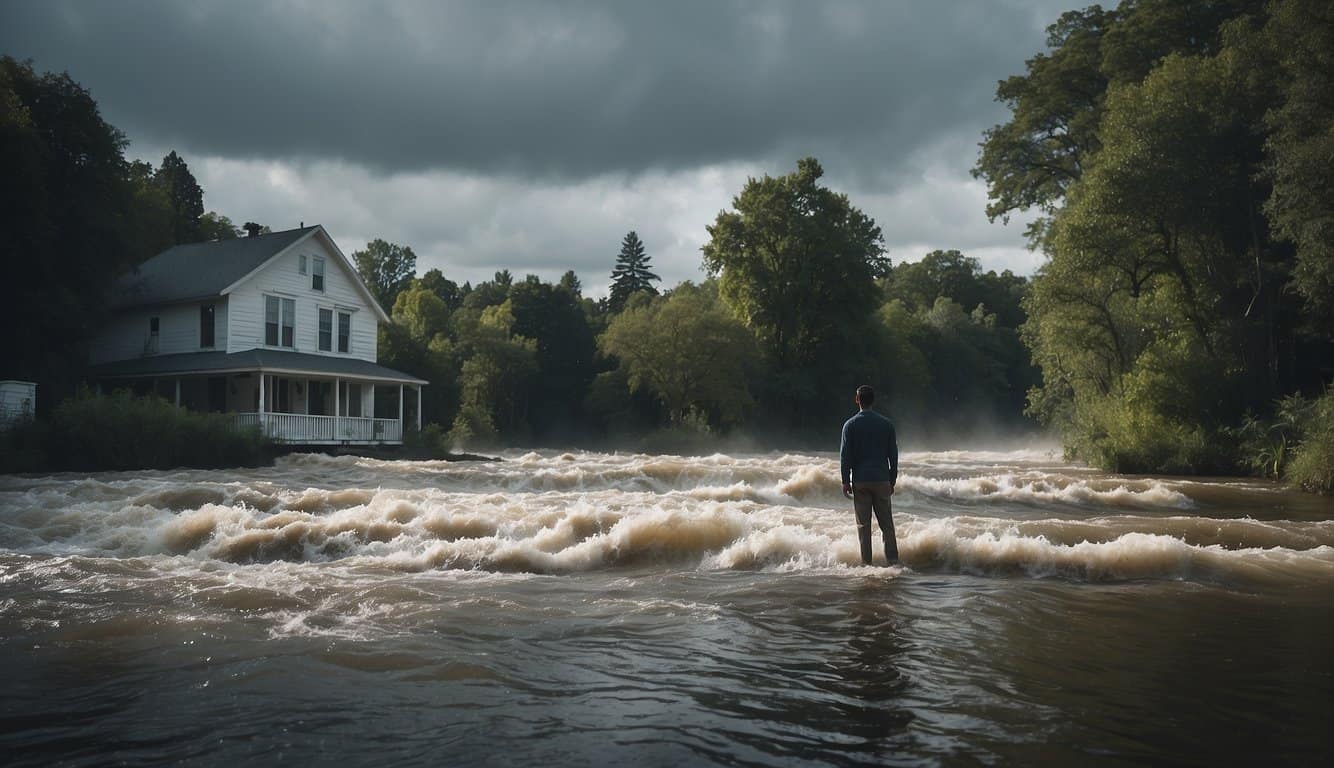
(533, 135)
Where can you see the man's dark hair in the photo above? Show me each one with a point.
(865, 395)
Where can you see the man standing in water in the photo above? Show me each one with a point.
(869, 461)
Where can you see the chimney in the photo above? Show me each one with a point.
(252, 228)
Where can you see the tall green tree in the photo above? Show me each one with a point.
(1056, 107)
(632, 273)
(553, 318)
(150, 222)
(1032, 159)
(1164, 313)
(686, 350)
(386, 268)
(798, 264)
(1301, 145)
(67, 223)
(496, 375)
(185, 199)
(418, 342)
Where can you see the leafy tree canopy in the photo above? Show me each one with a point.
(687, 351)
(386, 268)
(797, 262)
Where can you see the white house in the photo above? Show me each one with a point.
(277, 330)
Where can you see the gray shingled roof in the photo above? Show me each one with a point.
(269, 360)
(199, 270)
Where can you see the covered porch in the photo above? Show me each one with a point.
(292, 398)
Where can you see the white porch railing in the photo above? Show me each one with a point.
(300, 428)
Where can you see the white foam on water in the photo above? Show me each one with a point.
(1045, 488)
(567, 513)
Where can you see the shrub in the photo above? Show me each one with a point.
(1312, 462)
(690, 436)
(430, 443)
(119, 432)
(473, 428)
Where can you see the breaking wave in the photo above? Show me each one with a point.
(565, 513)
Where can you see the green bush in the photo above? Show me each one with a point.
(691, 436)
(120, 432)
(430, 443)
(473, 429)
(1312, 460)
(1266, 445)
(1121, 435)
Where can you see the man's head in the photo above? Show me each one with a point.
(865, 396)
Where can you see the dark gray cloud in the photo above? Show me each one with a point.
(559, 90)
(532, 135)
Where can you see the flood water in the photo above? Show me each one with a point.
(585, 608)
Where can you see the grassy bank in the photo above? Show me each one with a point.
(123, 432)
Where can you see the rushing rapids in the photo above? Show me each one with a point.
(664, 591)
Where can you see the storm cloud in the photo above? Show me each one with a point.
(531, 135)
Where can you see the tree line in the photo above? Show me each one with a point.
(799, 306)
(1179, 153)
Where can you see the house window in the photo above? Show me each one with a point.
(279, 322)
(317, 273)
(206, 313)
(301, 264)
(344, 332)
(154, 332)
(326, 330)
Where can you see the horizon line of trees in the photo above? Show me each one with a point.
(799, 307)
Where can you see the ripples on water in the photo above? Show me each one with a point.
(584, 608)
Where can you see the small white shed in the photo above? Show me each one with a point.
(18, 401)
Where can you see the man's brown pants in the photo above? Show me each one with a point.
(874, 497)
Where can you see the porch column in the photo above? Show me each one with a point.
(261, 403)
(400, 409)
(338, 412)
(419, 407)
(178, 391)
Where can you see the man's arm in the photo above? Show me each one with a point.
(893, 456)
(845, 461)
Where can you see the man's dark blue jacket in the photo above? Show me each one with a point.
(869, 451)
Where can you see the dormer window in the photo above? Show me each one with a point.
(301, 264)
(317, 273)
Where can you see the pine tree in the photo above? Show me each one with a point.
(631, 273)
(184, 198)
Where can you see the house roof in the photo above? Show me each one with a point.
(200, 270)
(264, 360)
